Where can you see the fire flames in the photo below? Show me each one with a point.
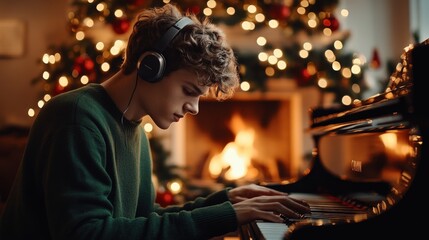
(235, 160)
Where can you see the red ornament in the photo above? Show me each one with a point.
(58, 89)
(135, 3)
(83, 65)
(279, 11)
(303, 77)
(78, 65)
(194, 9)
(164, 197)
(375, 61)
(121, 26)
(332, 23)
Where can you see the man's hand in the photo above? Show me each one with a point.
(253, 202)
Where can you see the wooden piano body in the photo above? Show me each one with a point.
(387, 178)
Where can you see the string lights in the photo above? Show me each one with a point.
(310, 51)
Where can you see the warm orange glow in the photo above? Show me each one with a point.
(392, 143)
(234, 162)
(235, 158)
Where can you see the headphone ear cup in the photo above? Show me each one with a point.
(151, 66)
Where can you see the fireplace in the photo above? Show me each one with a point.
(261, 131)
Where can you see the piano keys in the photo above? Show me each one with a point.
(369, 168)
(323, 207)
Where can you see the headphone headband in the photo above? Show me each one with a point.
(171, 34)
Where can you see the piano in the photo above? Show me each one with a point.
(369, 165)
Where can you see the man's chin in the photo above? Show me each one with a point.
(163, 125)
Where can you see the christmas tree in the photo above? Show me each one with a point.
(311, 51)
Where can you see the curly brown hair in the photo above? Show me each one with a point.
(200, 47)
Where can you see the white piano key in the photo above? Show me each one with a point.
(272, 231)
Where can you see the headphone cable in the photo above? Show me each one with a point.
(129, 101)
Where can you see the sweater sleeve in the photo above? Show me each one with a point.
(199, 223)
(211, 214)
(212, 199)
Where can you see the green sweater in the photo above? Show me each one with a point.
(86, 174)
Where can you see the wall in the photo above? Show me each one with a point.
(383, 25)
(420, 18)
(45, 25)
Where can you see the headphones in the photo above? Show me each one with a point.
(151, 65)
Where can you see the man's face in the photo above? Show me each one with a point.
(173, 97)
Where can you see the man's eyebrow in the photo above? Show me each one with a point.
(197, 89)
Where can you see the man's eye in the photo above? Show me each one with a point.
(188, 92)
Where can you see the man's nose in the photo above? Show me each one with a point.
(192, 107)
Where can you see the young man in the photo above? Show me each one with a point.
(86, 171)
